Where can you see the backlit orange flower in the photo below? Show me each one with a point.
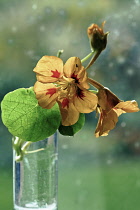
(65, 84)
(110, 108)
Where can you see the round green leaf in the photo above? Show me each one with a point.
(71, 130)
(25, 119)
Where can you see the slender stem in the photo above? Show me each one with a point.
(21, 147)
(93, 59)
(94, 91)
(87, 57)
(25, 146)
(59, 53)
(95, 83)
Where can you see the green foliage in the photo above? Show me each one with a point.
(71, 130)
(24, 118)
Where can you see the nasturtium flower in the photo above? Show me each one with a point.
(110, 107)
(65, 84)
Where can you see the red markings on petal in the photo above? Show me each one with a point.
(80, 93)
(65, 103)
(51, 91)
(55, 73)
(74, 76)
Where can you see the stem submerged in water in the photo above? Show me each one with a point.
(21, 148)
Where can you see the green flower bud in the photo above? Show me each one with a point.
(97, 37)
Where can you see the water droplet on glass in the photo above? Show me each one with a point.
(92, 73)
(134, 24)
(111, 64)
(29, 53)
(14, 29)
(137, 2)
(42, 28)
(109, 161)
(123, 124)
(120, 59)
(48, 10)
(81, 4)
(116, 34)
(78, 182)
(10, 41)
(34, 6)
(62, 12)
(138, 183)
(137, 144)
(130, 71)
(130, 16)
(64, 146)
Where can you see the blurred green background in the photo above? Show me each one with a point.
(97, 174)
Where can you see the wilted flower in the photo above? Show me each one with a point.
(67, 85)
(110, 107)
(97, 37)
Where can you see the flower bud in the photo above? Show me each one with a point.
(97, 37)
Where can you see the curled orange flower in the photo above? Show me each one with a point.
(65, 84)
(110, 108)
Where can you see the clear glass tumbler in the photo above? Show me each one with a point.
(35, 176)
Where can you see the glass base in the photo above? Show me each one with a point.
(33, 206)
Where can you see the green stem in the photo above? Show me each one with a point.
(17, 144)
(87, 57)
(93, 59)
(94, 91)
(26, 145)
(21, 148)
(95, 83)
(59, 53)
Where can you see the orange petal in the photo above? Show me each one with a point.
(68, 112)
(107, 99)
(74, 69)
(127, 106)
(72, 65)
(85, 101)
(106, 123)
(49, 69)
(46, 94)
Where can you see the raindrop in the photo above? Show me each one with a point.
(29, 53)
(48, 10)
(115, 34)
(137, 144)
(123, 124)
(138, 183)
(34, 6)
(78, 182)
(111, 64)
(14, 29)
(109, 161)
(92, 73)
(31, 19)
(130, 72)
(137, 2)
(120, 59)
(134, 24)
(64, 146)
(42, 28)
(10, 41)
(130, 16)
(62, 12)
(81, 4)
